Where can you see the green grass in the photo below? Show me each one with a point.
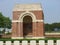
(7, 39)
(37, 40)
(52, 31)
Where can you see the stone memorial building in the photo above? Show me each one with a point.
(28, 21)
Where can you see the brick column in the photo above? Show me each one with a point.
(34, 29)
(14, 28)
(40, 29)
(18, 29)
(21, 29)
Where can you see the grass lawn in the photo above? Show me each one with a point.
(37, 40)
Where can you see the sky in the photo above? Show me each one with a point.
(51, 8)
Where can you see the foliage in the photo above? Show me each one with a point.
(37, 40)
(52, 27)
(5, 22)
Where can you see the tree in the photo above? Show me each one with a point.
(1, 20)
(5, 22)
(52, 27)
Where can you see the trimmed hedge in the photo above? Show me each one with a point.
(37, 40)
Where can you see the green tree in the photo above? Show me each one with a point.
(5, 22)
(1, 20)
(51, 27)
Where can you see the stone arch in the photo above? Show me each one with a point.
(37, 21)
(24, 15)
(27, 14)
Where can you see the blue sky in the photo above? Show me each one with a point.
(51, 8)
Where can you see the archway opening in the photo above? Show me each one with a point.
(27, 26)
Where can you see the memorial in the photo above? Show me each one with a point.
(28, 21)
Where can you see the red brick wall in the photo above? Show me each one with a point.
(38, 27)
(38, 14)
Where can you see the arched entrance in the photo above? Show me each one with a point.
(27, 21)
(27, 26)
